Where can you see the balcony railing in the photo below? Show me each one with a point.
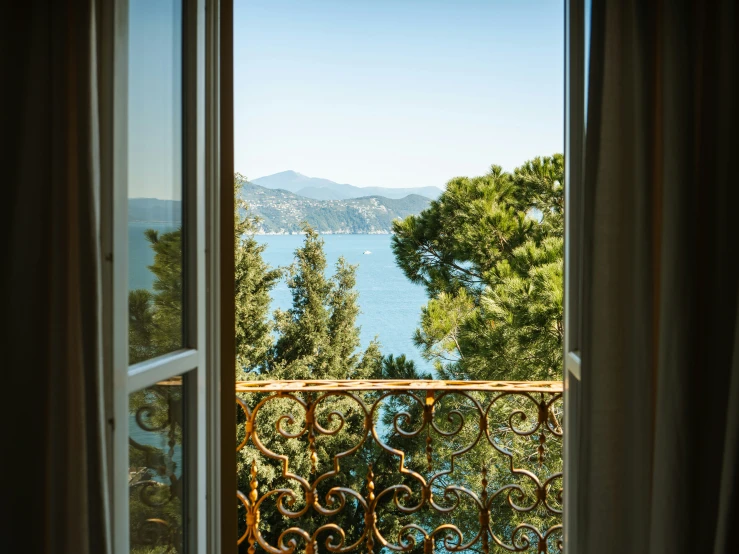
(405, 466)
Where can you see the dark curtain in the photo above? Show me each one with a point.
(54, 495)
(660, 386)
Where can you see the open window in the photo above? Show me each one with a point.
(162, 300)
(172, 397)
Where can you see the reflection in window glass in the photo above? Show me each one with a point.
(155, 178)
(155, 473)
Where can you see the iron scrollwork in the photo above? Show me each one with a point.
(155, 476)
(449, 467)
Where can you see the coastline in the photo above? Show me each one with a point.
(294, 233)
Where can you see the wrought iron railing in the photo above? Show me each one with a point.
(406, 466)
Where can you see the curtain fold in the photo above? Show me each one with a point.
(614, 465)
(52, 290)
(660, 417)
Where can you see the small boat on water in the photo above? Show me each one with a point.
(366, 252)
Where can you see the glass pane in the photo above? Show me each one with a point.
(155, 182)
(155, 472)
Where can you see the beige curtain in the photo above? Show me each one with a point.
(660, 390)
(55, 497)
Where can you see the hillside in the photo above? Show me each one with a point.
(324, 189)
(284, 212)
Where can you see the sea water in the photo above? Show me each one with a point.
(390, 304)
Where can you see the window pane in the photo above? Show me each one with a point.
(155, 473)
(155, 182)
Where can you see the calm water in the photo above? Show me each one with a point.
(390, 304)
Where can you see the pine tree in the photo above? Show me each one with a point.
(253, 281)
(489, 252)
(155, 317)
(318, 337)
(303, 329)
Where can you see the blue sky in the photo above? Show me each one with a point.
(396, 92)
(155, 99)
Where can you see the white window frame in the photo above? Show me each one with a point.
(199, 359)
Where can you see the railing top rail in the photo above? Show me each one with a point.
(398, 384)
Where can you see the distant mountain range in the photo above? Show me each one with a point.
(323, 189)
(283, 212)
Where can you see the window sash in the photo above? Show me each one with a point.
(196, 362)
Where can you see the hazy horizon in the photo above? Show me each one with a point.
(291, 170)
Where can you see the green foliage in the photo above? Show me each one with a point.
(140, 325)
(253, 280)
(489, 252)
(401, 368)
(155, 318)
(317, 338)
(156, 328)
